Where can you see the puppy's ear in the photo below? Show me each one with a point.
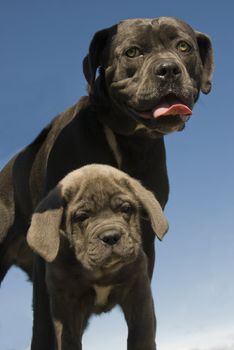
(43, 233)
(94, 58)
(151, 205)
(207, 58)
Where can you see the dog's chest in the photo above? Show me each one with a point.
(101, 295)
(112, 142)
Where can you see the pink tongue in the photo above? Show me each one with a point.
(175, 109)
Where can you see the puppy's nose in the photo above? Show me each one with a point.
(110, 237)
(168, 70)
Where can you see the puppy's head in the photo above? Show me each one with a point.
(151, 73)
(97, 210)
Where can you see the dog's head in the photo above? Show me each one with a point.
(97, 210)
(151, 73)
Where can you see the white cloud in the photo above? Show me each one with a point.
(214, 339)
(221, 347)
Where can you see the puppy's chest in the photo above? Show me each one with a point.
(102, 294)
(106, 297)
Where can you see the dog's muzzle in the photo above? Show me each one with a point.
(110, 237)
(110, 246)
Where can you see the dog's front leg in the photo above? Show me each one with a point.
(69, 323)
(138, 309)
(43, 332)
(65, 337)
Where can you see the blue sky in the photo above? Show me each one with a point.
(42, 47)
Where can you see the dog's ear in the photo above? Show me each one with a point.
(151, 205)
(207, 58)
(43, 233)
(94, 58)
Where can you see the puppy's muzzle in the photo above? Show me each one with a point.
(110, 237)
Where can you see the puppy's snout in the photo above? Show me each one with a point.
(168, 70)
(111, 237)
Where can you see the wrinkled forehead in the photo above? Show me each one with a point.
(162, 28)
(98, 192)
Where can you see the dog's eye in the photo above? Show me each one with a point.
(126, 208)
(80, 217)
(183, 47)
(132, 52)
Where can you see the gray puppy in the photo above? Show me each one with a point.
(88, 231)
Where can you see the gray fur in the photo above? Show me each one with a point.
(87, 272)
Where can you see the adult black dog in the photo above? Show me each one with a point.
(88, 231)
(150, 75)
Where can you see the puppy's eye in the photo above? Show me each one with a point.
(132, 52)
(126, 208)
(81, 217)
(183, 47)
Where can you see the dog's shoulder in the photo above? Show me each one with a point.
(59, 122)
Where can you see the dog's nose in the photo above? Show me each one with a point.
(110, 237)
(168, 70)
